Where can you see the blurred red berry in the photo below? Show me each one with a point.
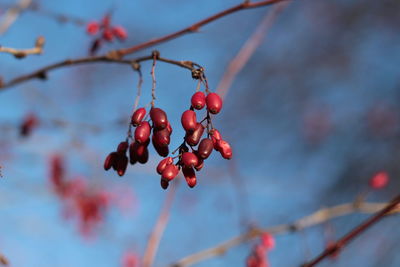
(92, 28)
(379, 180)
(120, 32)
(108, 35)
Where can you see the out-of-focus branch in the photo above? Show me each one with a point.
(3, 260)
(337, 246)
(21, 53)
(316, 218)
(12, 14)
(248, 49)
(157, 233)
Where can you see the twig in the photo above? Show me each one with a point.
(12, 14)
(316, 218)
(159, 228)
(21, 53)
(3, 260)
(248, 49)
(115, 56)
(196, 26)
(42, 73)
(336, 247)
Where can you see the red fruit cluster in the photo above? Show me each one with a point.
(87, 205)
(257, 257)
(105, 32)
(189, 161)
(28, 124)
(159, 132)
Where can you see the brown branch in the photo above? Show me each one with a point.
(156, 235)
(316, 218)
(196, 26)
(12, 14)
(248, 49)
(336, 247)
(3, 260)
(42, 73)
(116, 56)
(21, 53)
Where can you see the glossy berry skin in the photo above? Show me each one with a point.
(193, 138)
(225, 149)
(214, 103)
(163, 164)
(198, 100)
(190, 176)
(92, 28)
(189, 120)
(163, 151)
(189, 159)
(132, 155)
(215, 136)
(169, 128)
(138, 116)
(120, 32)
(137, 151)
(159, 118)
(170, 172)
(205, 148)
(142, 132)
(110, 160)
(144, 157)
(122, 164)
(161, 137)
(122, 147)
(200, 165)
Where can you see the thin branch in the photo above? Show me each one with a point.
(316, 218)
(12, 14)
(196, 26)
(159, 228)
(3, 260)
(336, 247)
(21, 53)
(42, 73)
(248, 49)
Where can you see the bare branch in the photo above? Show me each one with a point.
(316, 218)
(12, 14)
(21, 53)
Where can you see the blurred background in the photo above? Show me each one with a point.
(311, 118)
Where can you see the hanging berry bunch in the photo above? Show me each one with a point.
(191, 153)
(104, 32)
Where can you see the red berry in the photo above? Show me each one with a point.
(161, 137)
(122, 164)
(200, 165)
(110, 161)
(194, 137)
(189, 159)
(188, 120)
(164, 163)
(142, 132)
(120, 32)
(30, 122)
(159, 118)
(205, 148)
(170, 172)
(132, 154)
(169, 128)
(267, 240)
(108, 35)
(163, 151)
(139, 152)
(198, 100)
(138, 116)
(215, 136)
(190, 176)
(122, 147)
(214, 103)
(92, 28)
(144, 157)
(225, 149)
(379, 180)
(164, 184)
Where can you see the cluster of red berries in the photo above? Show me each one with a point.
(189, 161)
(87, 205)
(138, 149)
(105, 32)
(257, 257)
(160, 132)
